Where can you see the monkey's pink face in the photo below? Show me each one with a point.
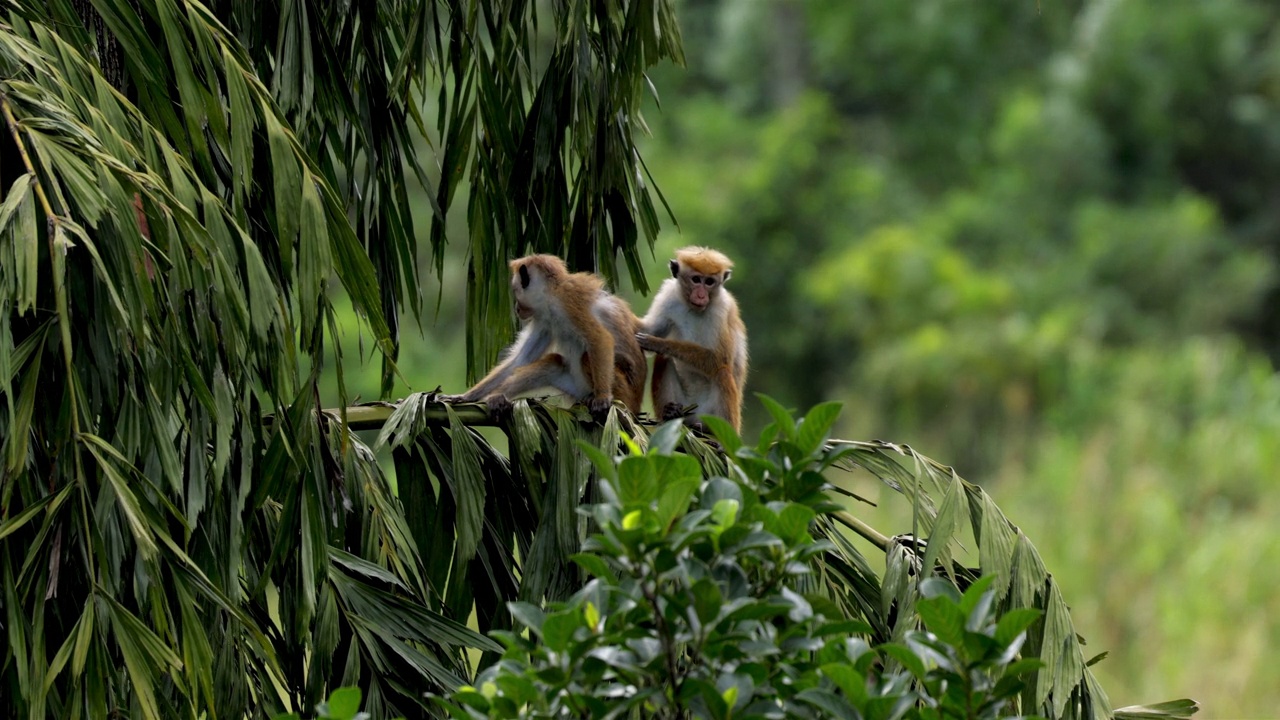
(700, 289)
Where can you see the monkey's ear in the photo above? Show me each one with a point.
(725, 279)
(675, 268)
(524, 276)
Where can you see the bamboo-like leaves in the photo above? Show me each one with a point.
(159, 286)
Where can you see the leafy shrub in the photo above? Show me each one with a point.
(698, 607)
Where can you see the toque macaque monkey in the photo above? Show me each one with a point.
(577, 338)
(699, 340)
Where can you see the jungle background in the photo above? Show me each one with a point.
(1036, 240)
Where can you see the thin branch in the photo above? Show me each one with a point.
(26, 160)
(374, 416)
(57, 260)
(867, 532)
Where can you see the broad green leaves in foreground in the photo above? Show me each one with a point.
(718, 596)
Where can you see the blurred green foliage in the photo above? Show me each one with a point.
(1037, 239)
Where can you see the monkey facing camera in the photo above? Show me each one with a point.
(698, 338)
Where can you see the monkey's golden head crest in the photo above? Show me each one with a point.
(703, 260)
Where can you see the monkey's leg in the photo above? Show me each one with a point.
(549, 371)
(485, 387)
(628, 385)
(668, 392)
(530, 345)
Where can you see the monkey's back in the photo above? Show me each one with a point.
(628, 359)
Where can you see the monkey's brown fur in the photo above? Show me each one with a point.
(578, 338)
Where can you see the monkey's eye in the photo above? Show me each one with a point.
(695, 279)
(709, 282)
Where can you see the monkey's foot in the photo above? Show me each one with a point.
(673, 410)
(599, 405)
(676, 411)
(498, 404)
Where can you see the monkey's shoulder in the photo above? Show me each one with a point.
(582, 285)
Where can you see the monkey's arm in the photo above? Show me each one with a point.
(656, 326)
(705, 360)
(658, 320)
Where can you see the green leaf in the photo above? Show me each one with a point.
(595, 565)
(725, 513)
(558, 629)
(52, 502)
(782, 419)
(816, 426)
(470, 488)
(145, 655)
(638, 481)
(84, 636)
(1014, 622)
(343, 704)
(850, 681)
(718, 489)
(530, 615)
(670, 469)
(602, 462)
(663, 441)
(943, 618)
(945, 523)
(909, 660)
(828, 702)
(125, 499)
(724, 433)
(675, 498)
(591, 616)
(286, 175)
(793, 523)
(707, 600)
(1173, 709)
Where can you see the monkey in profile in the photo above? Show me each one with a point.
(699, 341)
(577, 338)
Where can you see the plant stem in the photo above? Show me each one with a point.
(375, 415)
(866, 531)
(58, 263)
(668, 643)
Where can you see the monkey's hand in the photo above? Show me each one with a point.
(649, 342)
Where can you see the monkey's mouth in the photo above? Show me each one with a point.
(524, 312)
